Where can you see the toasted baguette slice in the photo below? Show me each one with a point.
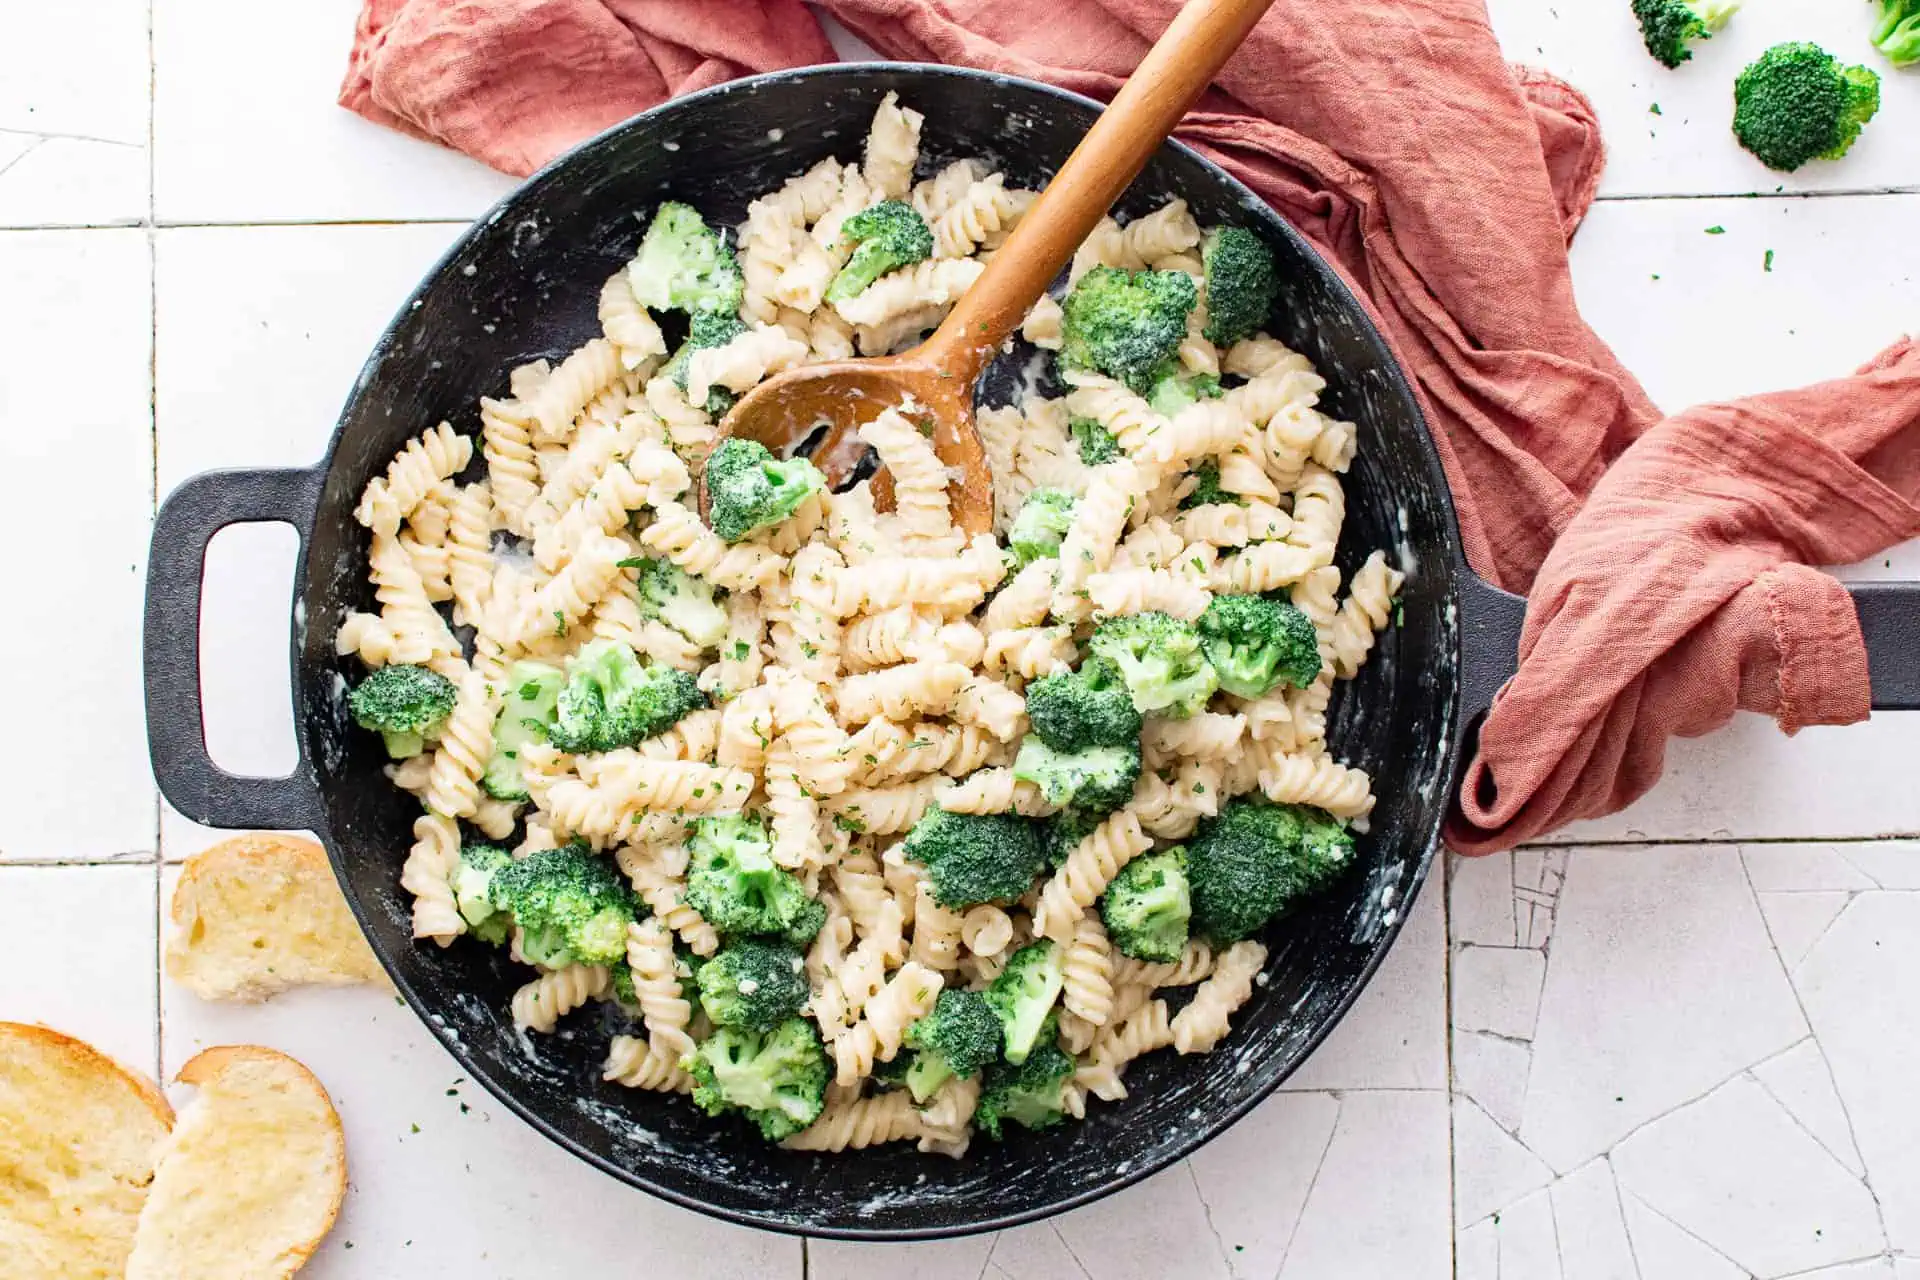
(78, 1137)
(259, 913)
(252, 1177)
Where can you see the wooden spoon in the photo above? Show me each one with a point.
(941, 372)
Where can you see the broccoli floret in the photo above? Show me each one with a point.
(1126, 324)
(975, 857)
(1256, 859)
(1798, 103)
(1061, 834)
(1029, 1094)
(778, 1078)
(753, 984)
(472, 884)
(526, 715)
(680, 600)
(1670, 27)
(1094, 780)
(749, 489)
(1147, 907)
(706, 329)
(1160, 659)
(1022, 996)
(685, 265)
(1897, 34)
(1174, 391)
(1074, 710)
(887, 236)
(734, 885)
(1207, 490)
(404, 705)
(960, 1036)
(1242, 283)
(572, 905)
(1255, 643)
(611, 700)
(1037, 531)
(1095, 443)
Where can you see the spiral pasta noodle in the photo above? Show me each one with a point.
(906, 997)
(919, 477)
(663, 1008)
(1203, 1023)
(664, 892)
(541, 1003)
(1088, 989)
(893, 144)
(427, 875)
(633, 1062)
(1086, 873)
(423, 464)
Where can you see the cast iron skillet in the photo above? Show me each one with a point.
(523, 284)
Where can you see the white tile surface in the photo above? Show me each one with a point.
(81, 942)
(73, 130)
(1689, 146)
(273, 324)
(271, 145)
(1735, 1170)
(1589, 1226)
(1861, 984)
(1373, 1210)
(78, 424)
(1662, 983)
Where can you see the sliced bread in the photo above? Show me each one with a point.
(79, 1134)
(252, 1177)
(259, 913)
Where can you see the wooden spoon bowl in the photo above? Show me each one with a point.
(940, 373)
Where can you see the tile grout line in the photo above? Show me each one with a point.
(1446, 1004)
(153, 507)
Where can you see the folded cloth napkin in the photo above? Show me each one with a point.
(1664, 560)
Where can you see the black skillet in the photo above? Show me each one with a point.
(522, 284)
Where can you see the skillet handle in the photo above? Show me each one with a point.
(1890, 623)
(176, 721)
(1490, 642)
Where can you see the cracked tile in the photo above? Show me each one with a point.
(1802, 867)
(1734, 1170)
(1870, 1269)
(1497, 989)
(73, 129)
(1254, 1178)
(1395, 1037)
(1892, 864)
(1493, 1072)
(96, 982)
(1491, 1168)
(1800, 1081)
(1665, 1252)
(76, 404)
(1587, 1221)
(1861, 985)
(71, 182)
(1476, 1252)
(1529, 1247)
(1155, 1229)
(1797, 920)
(1663, 984)
(1480, 899)
(1539, 870)
(1379, 1206)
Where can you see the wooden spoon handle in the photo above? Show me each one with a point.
(1198, 42)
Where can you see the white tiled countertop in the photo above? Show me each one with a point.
(1677, 1044)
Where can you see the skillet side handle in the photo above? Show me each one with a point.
(176, 721)
(1890, 623)
(1490, 621)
